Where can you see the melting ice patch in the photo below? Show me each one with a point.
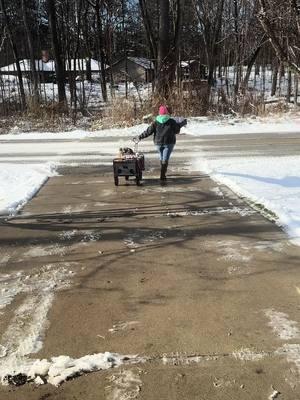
(74, 209)
(68, 235)
(136, 239)
(242, 211)
(4, 258)
(291, 352)
(231, 251)
(42, 251)
(121, 326)
(124, 385)
(283, 327)
(84, 236)
(26, 329)
(245, 354)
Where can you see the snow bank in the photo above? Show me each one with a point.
(197, 126)
(62, 368)
(19, 183)
(202, 126)
(273, 182)
(75, 134)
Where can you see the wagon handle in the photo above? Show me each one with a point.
(136, 146)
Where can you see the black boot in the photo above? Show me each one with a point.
(163, 170)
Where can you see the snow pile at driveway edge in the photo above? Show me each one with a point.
(20, 182)
(271, 183)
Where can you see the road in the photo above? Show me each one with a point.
(203, 288)
(100, 150)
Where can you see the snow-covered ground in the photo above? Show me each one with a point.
(203, 126)
(259, 84)
(18, 183)
(271, 182)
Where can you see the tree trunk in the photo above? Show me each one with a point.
(59, 64)
(15, 53)
(149, 31)
(289, 86)
(163, 47)
(249, 68)
(296, 90)
(34, 73)
(101, 51)
(275, 78)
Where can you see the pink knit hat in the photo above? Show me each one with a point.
(163, 110)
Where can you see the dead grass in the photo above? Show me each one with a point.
(188, 101)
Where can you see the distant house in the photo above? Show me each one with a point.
(133, 69)
(46, 69)
(193, 69)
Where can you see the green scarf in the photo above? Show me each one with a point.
(162, 118)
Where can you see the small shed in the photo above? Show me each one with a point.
(132, 69)
(193, 69)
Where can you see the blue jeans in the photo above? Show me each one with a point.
(165, 151)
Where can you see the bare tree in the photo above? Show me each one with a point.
(59, 63)
(14, 51)
(34, 73)
(270, 13)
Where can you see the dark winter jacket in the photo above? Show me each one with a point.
(164, 129)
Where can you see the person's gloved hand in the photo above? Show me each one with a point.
(136, 139)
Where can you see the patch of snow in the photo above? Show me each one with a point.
(273, 182)
(24, 335)
(125, 385)
(74, 208)
(4, 258)
(232, 126)
(274, 394)
(243, 212)
(121, 326)
(217, 191)
(59, 369)
(90, 236)
(245, 354)
(184, 359)
(135, 240)
(291, 352)
(42, 251)
(282, 326)
(67, 235)
(19, 183)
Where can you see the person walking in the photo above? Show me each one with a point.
(164, 130)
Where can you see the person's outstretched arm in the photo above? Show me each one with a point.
(180, 121)
(148, 132)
